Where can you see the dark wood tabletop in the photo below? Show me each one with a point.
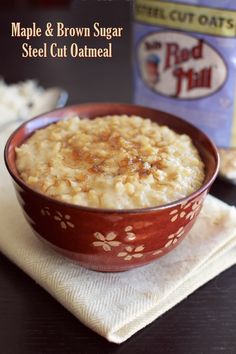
(31, 321)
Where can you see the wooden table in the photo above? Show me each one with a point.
(31, 321)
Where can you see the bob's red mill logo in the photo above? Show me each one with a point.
(179, 65)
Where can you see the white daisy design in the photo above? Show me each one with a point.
(173, 238)
(131, 252)
(182, 212)
(129, 233)
(194, 209)
(179, 213)
(106, 242)
(64, 220)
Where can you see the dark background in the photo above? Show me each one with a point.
(86, 79)
(31, 321)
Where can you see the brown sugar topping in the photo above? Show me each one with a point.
(111, 161)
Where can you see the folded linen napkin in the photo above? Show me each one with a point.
(116, 305)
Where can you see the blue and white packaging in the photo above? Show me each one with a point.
(185, 62)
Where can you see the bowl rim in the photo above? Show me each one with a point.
(82, 208)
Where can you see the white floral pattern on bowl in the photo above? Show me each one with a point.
(159, 251)
(130, 233)
(64, 220)
(131, 252)
(182, 211)
(195, 208)
(106, 242)
(173, 238)
(45, 211)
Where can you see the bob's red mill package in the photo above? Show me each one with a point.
(185, 62)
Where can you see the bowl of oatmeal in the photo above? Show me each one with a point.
(113, 186)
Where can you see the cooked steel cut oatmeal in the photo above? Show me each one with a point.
(117, 162)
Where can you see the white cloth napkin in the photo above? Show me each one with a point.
(116, 305)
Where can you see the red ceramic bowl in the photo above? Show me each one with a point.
(105, 239)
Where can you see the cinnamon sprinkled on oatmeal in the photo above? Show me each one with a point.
(117, 162)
